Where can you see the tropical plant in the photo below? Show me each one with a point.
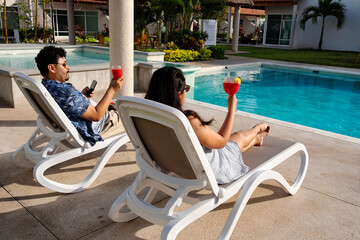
(324, 9)
(186, 39)
(213, 9)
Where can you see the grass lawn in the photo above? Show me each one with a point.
(329, 58)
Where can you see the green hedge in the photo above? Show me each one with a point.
(205, 54)
(218, 52)
(181, 55)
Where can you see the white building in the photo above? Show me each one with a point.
(282, 26)
(88, 15)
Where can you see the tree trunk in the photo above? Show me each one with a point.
(159, 30)
(322, 34)
(36, 12)
(44, 21)
(5, 25)
(52, 22)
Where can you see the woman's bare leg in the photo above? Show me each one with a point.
(254, 136)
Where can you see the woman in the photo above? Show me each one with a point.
(223, 148)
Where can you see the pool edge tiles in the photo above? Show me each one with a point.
(279, 122)
(322, 69)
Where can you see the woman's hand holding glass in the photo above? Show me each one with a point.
(231, 86)
(232, 102)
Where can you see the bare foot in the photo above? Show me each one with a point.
(260, 138)
(268, 129)
(262, 127)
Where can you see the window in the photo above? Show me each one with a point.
(12, 20)
(87, 20)
(278, 29)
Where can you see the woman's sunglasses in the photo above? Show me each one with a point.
(186, 88)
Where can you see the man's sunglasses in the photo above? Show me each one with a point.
(62, 64)
(186, 88)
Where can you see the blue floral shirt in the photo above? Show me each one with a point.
(74, 104)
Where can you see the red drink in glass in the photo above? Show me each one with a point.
(231, 88)
(116, 72)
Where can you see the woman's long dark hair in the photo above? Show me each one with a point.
(164, 86)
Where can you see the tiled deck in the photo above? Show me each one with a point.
(327, 205)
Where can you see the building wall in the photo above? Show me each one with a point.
(276, 10)
(344, 39)
(102, 19)
(247, 25)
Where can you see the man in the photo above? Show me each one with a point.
(88, 119)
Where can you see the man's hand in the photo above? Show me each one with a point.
(84, 91)
(117, 84)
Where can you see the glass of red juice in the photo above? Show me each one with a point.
(231, 87)
(116, 72)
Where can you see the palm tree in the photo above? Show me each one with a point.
(323, 9)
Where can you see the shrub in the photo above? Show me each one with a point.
(80, 40)
(150, 50)
(90, 40)
(205, 54)
(221, 35)
(172, 46)
(85, 40)
(181, 55)
(218, 52)
(107, 39)
(27, 35)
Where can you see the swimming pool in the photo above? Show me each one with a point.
(26, 60)
(87, 63)
(322, 100)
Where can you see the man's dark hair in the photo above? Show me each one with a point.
(48, 55)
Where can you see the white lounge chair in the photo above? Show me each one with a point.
(172, 161)
(56, 140)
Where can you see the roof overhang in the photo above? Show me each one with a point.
(259, 3)
(244, 3)
(98, 2)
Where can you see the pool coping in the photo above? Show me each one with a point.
(322, 69)
(280, 122)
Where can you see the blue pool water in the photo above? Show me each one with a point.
(323, 101)
(26, 60)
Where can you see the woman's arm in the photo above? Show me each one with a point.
(210, 138)
(227, 126)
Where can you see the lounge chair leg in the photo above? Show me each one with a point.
(42, 166)
(120, 202)
(249, 187)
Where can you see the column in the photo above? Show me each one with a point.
(71, 21)
(235, 40)
(229, 26)
(121, 27)
(293, 24)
